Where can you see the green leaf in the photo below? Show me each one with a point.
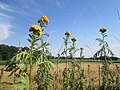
(29, 40)
(30, 36)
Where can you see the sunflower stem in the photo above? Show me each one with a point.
(30, 81)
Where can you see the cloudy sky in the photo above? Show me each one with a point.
(83, 18)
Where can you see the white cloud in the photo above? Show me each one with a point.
(5, 31)
(5, 25)
(60, 3)
(6, 7)
(2, 15)
(23, 8)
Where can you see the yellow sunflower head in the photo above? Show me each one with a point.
(89, 66)
(110, 62)
(2, 70)
(102, 30)
(35, 29)
(23, 74)
(74, 39)
(33, 47)
(68, 33)
(43, 20)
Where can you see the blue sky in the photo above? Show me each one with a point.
(83, 18)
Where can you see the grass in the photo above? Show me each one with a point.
(3, 62)
(82, 60)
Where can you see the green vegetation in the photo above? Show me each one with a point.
(7, 52)
(71, 77)
(3, 62)
(82, 60)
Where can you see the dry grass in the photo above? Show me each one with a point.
(61, 66)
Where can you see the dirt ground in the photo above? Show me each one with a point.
(61, 66)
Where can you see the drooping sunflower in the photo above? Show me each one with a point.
(43, 20)
(102, 30)
(35, 29)
(74, 39)
(68, 33)
(81, 48)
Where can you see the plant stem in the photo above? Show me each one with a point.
(66, 51)
(66, 60)
(14, 77)
(30, 81)
(99, 72)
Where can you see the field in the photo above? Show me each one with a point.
(60, 66)
(34, 69)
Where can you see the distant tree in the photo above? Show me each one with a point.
(13, 51)
(0, 57)
(7, 52)
(6, 55)
(4, 51)
(25, 48)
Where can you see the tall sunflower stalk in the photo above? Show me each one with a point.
(73, 49)
(43, 77)
(103, 53)
(81, 53)
(34, 36)
(23, 62)
(67, 34)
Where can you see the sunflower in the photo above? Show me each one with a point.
(33, 46)
(68, 33)
(74, 39)
(35, 29)
(81, 48)
(43, 19)
(23, 74)
(102, 30)
(88, 66)
(110, 62)
(2, 69)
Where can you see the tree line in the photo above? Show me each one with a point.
(7, 52)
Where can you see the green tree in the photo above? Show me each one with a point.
(0, 57)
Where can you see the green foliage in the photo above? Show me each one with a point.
(107, 73)
(81, 52)
(7, 52)
(66, 42)
(43, 77)
(22, 62)
(3, 62)
(105, 50)
(22, 83)
(18, 63)
(0, 57)
(73, 77)
(72, 50)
